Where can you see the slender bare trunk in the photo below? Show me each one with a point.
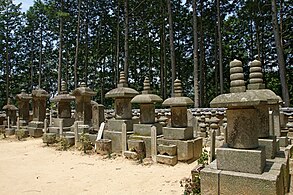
(117, 45)
(41, 55)
(76, 46)
(220, 47)
(126, 39)
(60, 49)
(172, 48)
(280, 54)
(195, 55)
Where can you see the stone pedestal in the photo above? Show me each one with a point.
(145, 129)
(35, 128)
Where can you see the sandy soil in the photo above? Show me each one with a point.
(29, 167)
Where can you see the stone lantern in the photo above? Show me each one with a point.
(10, 111)
(83, 96)
(178, 104)
(146, 100)
(23, 100)
(36, 126)
(63, 104)
(179, 133)
(123, 112)
(142, 131)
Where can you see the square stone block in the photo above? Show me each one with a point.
(130, 155)
(103, 146)
(185, 149)
(178, 133)
(168, 160)
(283, 141)
(197, 147)
(136, 145)
(35, 132)
(240, 160)
(268, 183)
(209, 179)
(9, 131)
(145, 129)
(270, 145)
(147, 142)
(116, 125)
(116, 138)
(170, 150)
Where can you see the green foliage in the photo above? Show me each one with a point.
(85, 143)
(30, 42)
(63, 144)
(20, 134)
(192, 184)
(204, 157)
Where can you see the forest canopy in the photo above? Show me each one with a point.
(193, 40)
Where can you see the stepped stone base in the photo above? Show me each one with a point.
(35, 128)
(165, 159)
(231, 159)
(270, 182)
(116, 138)
(147, 142)
(187, 150)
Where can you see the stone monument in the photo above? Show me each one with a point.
(241, 166)
(63, 101)
(36, 126)
(179, 134)
(123, 112)
(23, 101)
(146, 101)
(83, 109)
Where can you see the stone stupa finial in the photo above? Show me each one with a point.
(237, 83)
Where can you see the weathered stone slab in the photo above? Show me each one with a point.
(270, 146)
(130, 155)
(147, 142)
(103, 146)
(283, 141)
(184, 133)
(116, 125)
(237, 160)
(165, 159)
(116, 138)
(268, 183)
(170, 150)
(209, 179)
(145, 129)
(185, 149)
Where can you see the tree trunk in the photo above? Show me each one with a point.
(7, 64)
(117, 44)
(126, 40)
(87, 46)
(220, 47)
(76, 46)
(41, 55)
(195, 55)
(172, 49)
(60, 49)
(202, 53)
(281, 61)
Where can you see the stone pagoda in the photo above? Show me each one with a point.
(36, 126)
(10, 111)
(241, 166)
(146, 101)
(179, 134)
(83, 108)
(63, 101)
(23, 101)
(267, 138)
(123, 112)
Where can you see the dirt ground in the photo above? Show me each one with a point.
(30, 167)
